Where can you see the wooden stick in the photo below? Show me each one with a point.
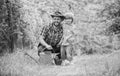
(32, 58)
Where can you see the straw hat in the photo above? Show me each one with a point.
(58, 14)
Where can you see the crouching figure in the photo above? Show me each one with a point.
(51, 36)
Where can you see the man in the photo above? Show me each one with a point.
(51, 36)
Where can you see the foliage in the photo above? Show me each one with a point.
(27, 21)
(8, 25)
(111, 12)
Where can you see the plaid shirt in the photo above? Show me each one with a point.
(52, 34)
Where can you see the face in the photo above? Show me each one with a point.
(68, 21)
(57, 19)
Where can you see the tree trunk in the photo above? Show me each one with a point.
(11, 42)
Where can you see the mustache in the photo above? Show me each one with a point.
(56, 22)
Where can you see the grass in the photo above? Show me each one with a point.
(17, 64)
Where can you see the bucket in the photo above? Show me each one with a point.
(45, 59)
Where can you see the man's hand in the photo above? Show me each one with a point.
(60, 42)
(49, 47)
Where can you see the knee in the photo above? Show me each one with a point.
(69, 58)
(39, 53)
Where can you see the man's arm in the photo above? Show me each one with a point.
(61, 41)
(42, 41)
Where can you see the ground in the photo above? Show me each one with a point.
(19, 64)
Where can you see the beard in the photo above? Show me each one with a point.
(56, 23)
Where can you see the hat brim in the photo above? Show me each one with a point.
(62, 17)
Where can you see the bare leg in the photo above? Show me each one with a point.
(63, 52)
(69, 53)
(66, 55)
(53, 56)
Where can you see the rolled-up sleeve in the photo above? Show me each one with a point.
(44, 31)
